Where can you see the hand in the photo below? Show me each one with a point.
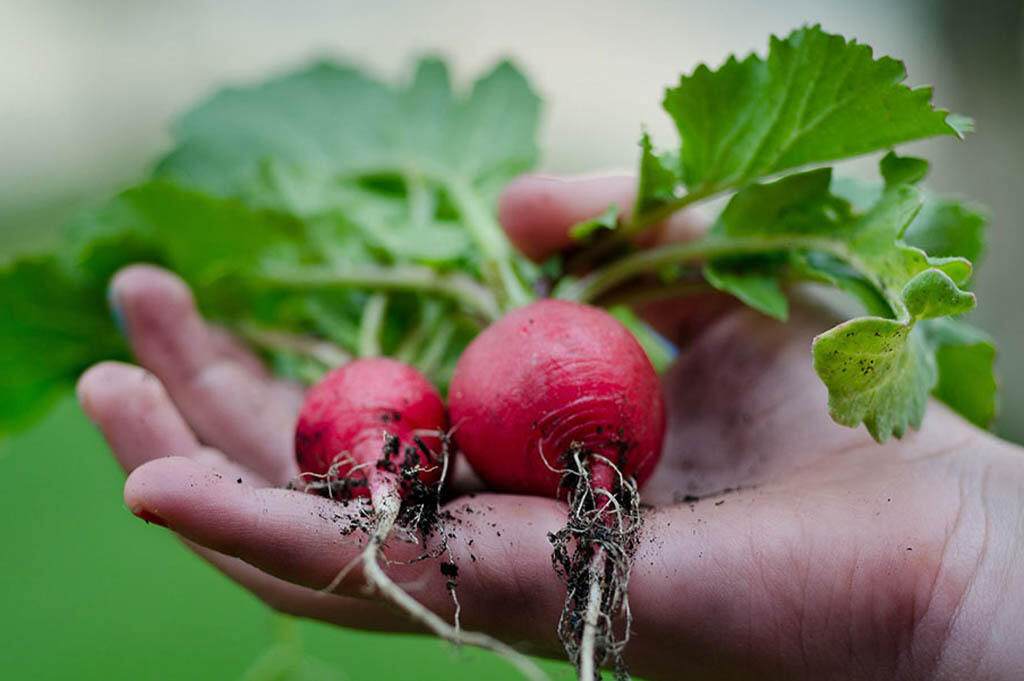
(831, 556)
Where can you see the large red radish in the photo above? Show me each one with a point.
(559, 399)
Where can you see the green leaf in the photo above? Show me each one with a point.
(222, 247)
(657, 180)
(660, 351)
(902, 169)
(933, 294)
(608, 220)
(965, 357)
(816, 98)
(199, 236)
(878, 372)
(415, 167)
(52, 327)
(945, 227)
(828, 269)
(948, 227)
(877, 369)
(754, 285)
(799, 204)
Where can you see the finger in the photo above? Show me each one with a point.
(140, 423)
(537, 212)
(299, 601)
(227, 346)
(505, 582)
(764, 562)
(228, 406)
(133, 411)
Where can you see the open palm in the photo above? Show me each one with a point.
(779, 544)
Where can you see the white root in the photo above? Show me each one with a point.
(386, 505)
(593, 555)
(591, 619)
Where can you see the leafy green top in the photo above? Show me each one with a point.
(325, 205)
(817, 98)
(417, 168)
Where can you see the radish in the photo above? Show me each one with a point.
(373, 424)
(375, 427)
(559, 399)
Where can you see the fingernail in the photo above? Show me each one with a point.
(115, 311)
(150, 517)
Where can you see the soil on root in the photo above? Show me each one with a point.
(420, 517)
(415, 513)
(593, 554)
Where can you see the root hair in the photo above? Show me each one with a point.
(593, 554)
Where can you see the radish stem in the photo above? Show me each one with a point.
(371, 325)
(471, 295)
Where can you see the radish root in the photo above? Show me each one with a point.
(593, 555)
(388, 515)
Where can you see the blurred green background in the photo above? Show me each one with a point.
(87, 92)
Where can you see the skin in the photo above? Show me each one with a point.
(836, 558)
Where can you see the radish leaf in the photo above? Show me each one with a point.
(52, 327)
(816, 97)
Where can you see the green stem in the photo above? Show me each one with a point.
(422, 203)
(473, 297)
(328, 354)
(655, 292)
(636, 225)
(491, 239)
(371, 324)
(430, 359)
(589, 288)
(430, 315)
(499, 255)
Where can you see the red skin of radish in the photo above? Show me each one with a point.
(546, 376)
(345, 415)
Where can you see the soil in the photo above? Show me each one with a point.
(616, 532)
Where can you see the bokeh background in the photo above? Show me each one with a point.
(88, 89)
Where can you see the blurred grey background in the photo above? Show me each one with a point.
(88, 89)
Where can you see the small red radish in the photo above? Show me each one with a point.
(559, 399)
(375, 427)
(374, 424)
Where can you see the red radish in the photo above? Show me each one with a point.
(369, 421)
(559, 399)
(374, 428)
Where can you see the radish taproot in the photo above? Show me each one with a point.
(375, 427)
(559, 399)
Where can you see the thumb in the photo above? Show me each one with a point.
(538, 212)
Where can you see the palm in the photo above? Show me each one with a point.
(831, 555)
